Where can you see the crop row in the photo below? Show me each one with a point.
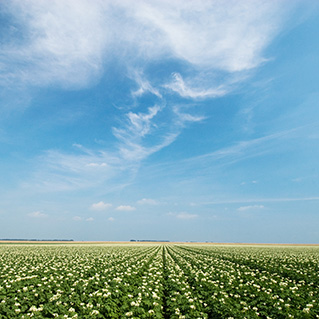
(158, 281)
(231, 288)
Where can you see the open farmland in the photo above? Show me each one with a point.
(158, 281)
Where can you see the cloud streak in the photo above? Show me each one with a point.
(142, 134)
(250, 207)
(185, 90)
(262, 200)
(144, 86)
(240, 151)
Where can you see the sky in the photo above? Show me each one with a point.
(164, 120)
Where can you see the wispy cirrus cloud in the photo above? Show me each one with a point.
(250, 207)
(68, 43)
(186, 90)
(144, 86)
(184, 118)
(138, 124)
(61, 171)
(60, 43)
(209, 34)
(139, 138)
(262, 200)
(243, 150)
(72, 44)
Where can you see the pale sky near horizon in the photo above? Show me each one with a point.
(173, 120)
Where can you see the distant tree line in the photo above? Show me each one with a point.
(15, 239)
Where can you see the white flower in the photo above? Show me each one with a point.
(33, 309)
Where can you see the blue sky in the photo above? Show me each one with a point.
(177, 120)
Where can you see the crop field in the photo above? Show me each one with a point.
(158, 281)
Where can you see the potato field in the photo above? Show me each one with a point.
(158, 281)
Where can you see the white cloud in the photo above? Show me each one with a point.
(186, 117)
(223, 35)
(69, 42)
(147, 201)
(136, 151)
(136, 131)
(137, 125)
(184, 215)
(90, 219)
(250, 207)
(101, 206)
(111, 219)
(179, 86)
(125, 208)
(63, 43)
(37, 214)
(144, 85)
(77, 218)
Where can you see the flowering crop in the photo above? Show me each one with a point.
(158, 281)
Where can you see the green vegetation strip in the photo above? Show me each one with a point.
(158, 281)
